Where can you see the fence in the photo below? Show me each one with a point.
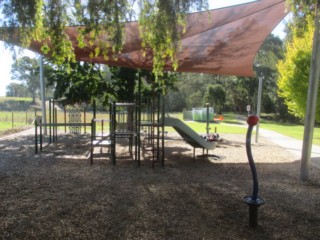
(21, 119)
(76, 116)
(18, 119)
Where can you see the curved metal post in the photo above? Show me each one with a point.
(253, 201)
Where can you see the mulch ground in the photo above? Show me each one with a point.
(57, 194)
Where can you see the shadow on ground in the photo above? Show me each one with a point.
(61, 196)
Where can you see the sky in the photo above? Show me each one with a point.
(6, 56)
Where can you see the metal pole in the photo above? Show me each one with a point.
(56, 121)
(85, 120)
(311, 102)
(259, 107)
(94, 114)
(158, 128)
(36, 136)
(42, 92)
(53, 121)
(40, 136)
(139, 116)
(208, 129)
(92, 138)
(162, 126)
(50, 121)
(65, 118)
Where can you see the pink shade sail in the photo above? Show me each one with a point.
(222, 41)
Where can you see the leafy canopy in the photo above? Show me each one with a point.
(26, 70)
(294, 69)
(160, 22)
(80, 83)
(215, 96)
(300, 9)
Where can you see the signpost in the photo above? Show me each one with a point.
(248, 109)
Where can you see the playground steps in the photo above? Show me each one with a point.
(103, 142)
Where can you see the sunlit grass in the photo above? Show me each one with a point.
(15, 99)
(228, 125)
(10, 120)
(8, 125)
(231, 124)
(291, 130)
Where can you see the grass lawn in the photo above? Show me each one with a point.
(15, 99)
(8, 125)
(231, 124)
(291, 130)
(10, 120)
(228, 125)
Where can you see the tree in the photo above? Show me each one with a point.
(294, 70)
(124, 80)
(80, 83)
(85, 81)
(175, 102)
(215, 96)
(196, 99)
(26, 69)
(298, 6)
(266, 61)
(249, 87)
(161, 23)
(193, 86)
(236, 95)
(16, 90)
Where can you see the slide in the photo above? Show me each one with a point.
(188, 134)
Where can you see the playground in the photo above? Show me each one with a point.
(58, 194)
(139, 181)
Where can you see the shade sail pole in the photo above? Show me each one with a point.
(42, 93)
(311, 102)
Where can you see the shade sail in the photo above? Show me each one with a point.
(221, 41)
